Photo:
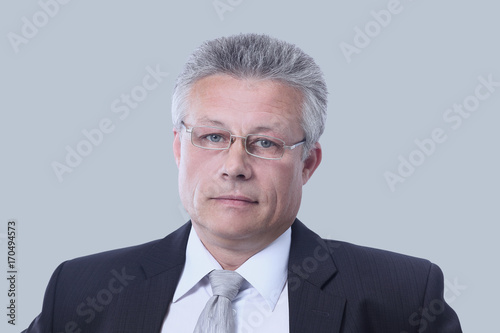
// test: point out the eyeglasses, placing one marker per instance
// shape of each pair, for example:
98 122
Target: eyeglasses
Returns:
261 146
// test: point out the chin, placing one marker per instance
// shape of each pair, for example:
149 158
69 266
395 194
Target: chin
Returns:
234 228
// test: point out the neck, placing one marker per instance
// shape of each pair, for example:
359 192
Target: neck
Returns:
229 260
232 253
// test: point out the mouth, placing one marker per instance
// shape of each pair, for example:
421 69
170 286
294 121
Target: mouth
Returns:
238 200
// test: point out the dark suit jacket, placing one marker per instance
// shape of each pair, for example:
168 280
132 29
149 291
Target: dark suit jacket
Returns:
333 287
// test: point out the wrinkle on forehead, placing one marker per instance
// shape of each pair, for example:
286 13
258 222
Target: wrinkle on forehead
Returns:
277 99
275 126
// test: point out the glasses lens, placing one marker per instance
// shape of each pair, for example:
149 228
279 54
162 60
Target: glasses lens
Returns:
210 138
265 146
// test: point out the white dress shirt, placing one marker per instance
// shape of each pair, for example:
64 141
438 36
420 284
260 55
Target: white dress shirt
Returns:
261 306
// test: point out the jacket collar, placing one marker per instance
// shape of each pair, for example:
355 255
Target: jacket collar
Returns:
169 253
312 308
162 265
310 269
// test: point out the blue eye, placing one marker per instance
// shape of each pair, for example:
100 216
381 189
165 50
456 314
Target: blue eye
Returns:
262 142
265 143
214 137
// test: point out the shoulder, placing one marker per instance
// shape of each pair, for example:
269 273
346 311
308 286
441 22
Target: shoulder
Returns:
138 260
397 288
387 267
128 255
350 258
380 272
367 258
87 271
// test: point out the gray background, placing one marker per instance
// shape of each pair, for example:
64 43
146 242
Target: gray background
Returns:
394 91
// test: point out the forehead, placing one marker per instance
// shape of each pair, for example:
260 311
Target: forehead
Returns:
221 99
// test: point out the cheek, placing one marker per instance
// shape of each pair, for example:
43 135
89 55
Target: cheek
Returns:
188 174
196 174
287 185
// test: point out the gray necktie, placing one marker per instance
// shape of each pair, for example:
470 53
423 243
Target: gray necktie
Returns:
217 316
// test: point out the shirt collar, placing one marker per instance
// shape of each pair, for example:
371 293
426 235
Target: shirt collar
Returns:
199 262
273 260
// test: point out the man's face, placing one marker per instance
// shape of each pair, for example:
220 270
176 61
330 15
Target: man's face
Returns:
233 198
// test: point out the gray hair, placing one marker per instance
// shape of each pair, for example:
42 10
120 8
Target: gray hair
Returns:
256 56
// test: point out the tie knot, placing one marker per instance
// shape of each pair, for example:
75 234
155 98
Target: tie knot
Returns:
225 283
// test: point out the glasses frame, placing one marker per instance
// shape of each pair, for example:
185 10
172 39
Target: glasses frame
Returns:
232 140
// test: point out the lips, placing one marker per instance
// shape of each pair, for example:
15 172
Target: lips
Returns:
236 199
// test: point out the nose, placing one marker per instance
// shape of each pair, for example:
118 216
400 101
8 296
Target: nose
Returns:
236 164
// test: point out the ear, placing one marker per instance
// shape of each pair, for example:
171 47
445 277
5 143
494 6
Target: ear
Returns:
177 146
311 162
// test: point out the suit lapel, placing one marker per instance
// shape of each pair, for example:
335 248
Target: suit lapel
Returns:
310 269
162 266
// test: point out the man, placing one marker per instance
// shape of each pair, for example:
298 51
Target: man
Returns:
248 111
